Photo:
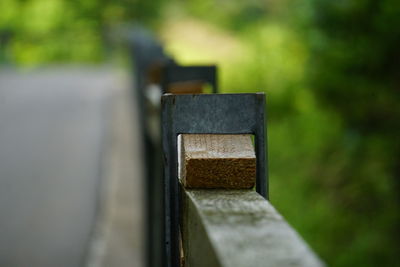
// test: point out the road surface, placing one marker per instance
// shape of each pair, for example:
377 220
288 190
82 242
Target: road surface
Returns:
69 170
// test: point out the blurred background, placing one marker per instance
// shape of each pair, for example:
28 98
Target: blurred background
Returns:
331 72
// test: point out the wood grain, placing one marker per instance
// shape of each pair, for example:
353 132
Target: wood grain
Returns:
217 161
189 87
239 228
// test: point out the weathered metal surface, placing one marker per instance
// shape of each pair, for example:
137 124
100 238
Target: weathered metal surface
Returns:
152 66
147 55
206 114
239 228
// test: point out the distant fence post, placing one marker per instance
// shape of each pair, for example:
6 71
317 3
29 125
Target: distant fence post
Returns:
157 73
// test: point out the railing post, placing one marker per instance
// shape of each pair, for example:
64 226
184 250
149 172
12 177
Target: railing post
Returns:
205 114
173 73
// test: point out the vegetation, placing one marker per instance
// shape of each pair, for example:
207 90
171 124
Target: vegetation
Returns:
46 31
331 73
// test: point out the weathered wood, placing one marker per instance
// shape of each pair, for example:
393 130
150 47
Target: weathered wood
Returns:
217 161
188 87
225 228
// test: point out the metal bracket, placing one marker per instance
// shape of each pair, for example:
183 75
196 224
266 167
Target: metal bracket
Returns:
206 114
174 73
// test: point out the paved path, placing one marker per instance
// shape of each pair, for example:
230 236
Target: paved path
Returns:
62 132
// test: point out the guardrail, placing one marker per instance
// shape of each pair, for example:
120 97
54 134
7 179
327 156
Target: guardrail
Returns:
238 228
224 217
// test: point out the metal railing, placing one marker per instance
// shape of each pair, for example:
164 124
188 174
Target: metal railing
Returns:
198 227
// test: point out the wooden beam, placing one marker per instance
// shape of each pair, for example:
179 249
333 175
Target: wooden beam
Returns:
187 87
217 161
239 228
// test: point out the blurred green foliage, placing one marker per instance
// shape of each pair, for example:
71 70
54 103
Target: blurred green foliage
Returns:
331 73
42 31
332 76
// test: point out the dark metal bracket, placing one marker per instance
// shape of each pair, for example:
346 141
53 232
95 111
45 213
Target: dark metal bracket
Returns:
206 114
175 73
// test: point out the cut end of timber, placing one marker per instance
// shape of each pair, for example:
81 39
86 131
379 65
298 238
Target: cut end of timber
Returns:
190 87
217 161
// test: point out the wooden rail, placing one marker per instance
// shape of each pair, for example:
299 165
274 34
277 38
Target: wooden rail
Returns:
238 228
235 227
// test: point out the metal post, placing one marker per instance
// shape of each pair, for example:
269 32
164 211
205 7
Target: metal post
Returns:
174 73
206 114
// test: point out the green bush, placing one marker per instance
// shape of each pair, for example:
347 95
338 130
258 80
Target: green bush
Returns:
329 72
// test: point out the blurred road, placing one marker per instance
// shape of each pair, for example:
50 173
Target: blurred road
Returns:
55 132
